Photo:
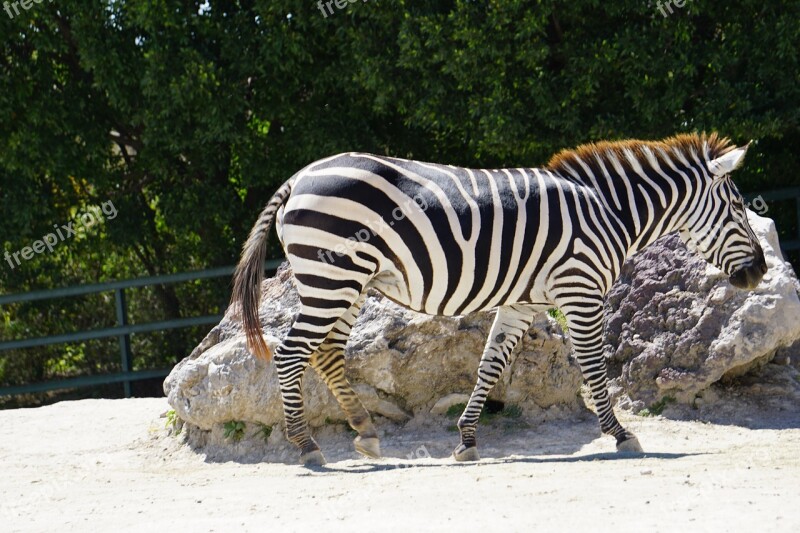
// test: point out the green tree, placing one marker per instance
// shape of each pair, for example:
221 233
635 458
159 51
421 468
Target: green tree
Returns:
188 114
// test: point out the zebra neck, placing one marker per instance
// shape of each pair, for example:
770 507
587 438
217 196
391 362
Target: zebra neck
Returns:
660 208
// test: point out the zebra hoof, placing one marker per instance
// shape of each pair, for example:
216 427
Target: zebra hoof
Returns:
313 458
629 445
369 447
462 453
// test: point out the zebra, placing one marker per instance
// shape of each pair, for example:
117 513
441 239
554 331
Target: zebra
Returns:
447 240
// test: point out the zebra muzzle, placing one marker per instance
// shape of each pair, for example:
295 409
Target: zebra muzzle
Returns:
750 276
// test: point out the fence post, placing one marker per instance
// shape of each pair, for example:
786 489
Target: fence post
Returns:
124 339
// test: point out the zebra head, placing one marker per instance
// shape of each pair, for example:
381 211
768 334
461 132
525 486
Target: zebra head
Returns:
720 231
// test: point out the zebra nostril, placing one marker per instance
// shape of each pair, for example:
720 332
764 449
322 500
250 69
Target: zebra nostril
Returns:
763 268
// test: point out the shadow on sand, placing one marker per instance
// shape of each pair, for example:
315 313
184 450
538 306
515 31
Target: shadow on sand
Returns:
381 466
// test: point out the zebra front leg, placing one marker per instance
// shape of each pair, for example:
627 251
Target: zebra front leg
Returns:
510 324
585 321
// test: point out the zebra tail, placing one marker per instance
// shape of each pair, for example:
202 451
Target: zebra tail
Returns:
250 273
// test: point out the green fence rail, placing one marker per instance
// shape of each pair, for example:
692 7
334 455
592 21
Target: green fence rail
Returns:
122 330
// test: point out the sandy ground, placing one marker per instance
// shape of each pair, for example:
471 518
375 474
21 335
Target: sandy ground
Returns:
103 465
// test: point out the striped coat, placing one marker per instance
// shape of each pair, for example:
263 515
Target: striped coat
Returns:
446 240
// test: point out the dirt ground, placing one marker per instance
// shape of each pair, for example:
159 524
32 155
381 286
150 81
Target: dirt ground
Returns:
109 465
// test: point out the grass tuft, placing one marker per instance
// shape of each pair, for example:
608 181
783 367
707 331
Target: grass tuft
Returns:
454 411
265 431
559 317
174 421
487 414
657 408
234 430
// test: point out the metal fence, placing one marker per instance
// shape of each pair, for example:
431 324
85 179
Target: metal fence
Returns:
123 329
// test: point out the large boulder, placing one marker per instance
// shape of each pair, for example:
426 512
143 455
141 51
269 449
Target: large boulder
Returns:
675 325
402 364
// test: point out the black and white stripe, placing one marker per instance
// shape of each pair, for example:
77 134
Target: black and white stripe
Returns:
446 240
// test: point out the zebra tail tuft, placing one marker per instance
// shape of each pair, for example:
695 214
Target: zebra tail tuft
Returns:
250 273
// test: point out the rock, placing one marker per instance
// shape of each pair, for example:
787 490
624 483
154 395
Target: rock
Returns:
441 407
377 405
675 325
400 363
674 328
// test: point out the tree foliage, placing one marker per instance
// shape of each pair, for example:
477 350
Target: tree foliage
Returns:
187 115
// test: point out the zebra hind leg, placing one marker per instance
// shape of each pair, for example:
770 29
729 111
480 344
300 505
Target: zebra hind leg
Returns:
510 324
292 357
586 332
329 362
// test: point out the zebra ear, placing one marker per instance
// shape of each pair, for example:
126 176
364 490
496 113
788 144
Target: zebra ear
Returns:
725 164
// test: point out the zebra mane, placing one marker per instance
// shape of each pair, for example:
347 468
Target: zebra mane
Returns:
705 147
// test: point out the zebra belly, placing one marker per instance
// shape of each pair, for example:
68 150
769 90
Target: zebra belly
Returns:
390 283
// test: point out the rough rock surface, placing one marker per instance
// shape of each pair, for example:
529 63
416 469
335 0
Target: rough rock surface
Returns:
675 325
401 364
